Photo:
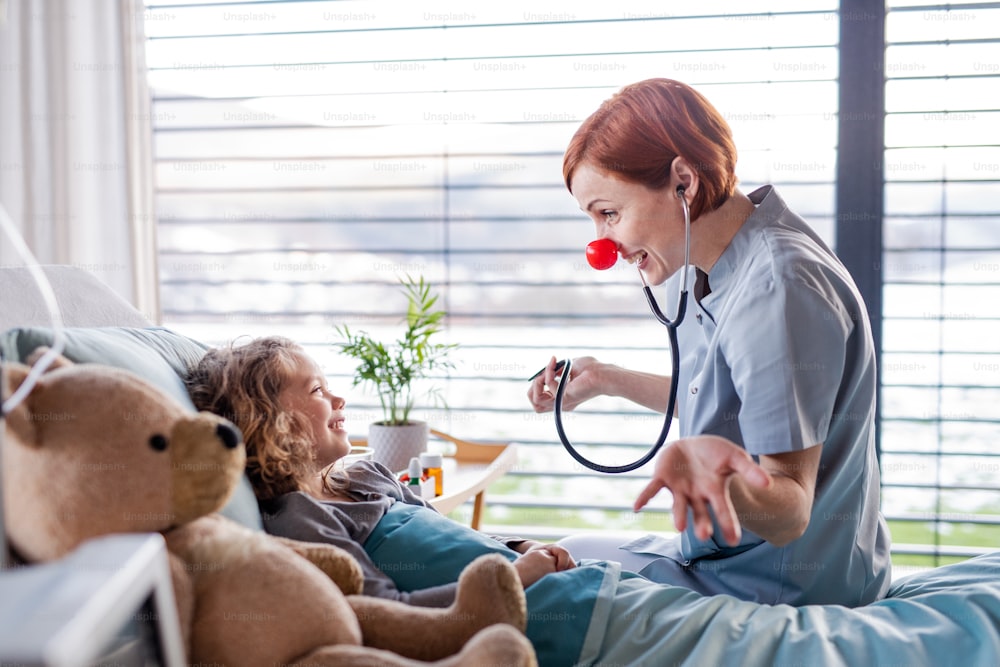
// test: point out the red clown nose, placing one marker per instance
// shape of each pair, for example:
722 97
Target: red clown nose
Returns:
602 254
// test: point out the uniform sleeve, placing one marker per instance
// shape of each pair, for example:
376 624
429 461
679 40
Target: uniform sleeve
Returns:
787 361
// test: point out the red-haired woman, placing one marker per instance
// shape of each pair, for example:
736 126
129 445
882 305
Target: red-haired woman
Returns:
777 365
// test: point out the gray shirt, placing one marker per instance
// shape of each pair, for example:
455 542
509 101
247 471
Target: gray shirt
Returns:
348 524
779 357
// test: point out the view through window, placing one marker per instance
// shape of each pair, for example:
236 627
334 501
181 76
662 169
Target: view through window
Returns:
310 154
941 333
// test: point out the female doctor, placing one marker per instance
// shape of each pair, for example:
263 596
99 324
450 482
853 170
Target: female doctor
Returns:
774 475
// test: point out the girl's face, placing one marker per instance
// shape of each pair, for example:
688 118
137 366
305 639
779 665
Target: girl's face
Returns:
646 225
306 393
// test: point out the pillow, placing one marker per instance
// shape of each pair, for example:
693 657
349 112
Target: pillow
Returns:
158 355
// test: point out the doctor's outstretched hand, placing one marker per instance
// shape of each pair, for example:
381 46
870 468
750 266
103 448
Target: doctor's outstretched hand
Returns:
699 471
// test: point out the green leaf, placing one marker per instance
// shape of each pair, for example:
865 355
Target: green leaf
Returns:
390 370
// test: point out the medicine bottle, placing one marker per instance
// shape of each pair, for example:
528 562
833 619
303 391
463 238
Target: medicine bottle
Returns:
413 473
432 468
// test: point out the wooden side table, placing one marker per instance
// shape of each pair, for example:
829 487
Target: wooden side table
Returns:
468 472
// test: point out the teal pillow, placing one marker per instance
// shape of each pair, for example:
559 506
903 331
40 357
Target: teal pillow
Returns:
160 356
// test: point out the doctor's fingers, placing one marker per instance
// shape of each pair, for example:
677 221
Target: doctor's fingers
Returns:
647 494
751 472
541 399
680 512
725 515
703 527
541 391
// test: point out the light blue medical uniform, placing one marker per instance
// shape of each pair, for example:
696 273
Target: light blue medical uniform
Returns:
778 357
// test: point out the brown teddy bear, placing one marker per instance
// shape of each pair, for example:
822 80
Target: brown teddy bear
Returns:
94 450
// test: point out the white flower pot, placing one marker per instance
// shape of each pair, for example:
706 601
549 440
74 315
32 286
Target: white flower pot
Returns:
394 446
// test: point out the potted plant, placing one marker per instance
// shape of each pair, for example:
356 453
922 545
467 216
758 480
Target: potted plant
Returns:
392 369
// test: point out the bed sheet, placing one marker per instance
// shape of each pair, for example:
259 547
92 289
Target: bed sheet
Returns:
949 615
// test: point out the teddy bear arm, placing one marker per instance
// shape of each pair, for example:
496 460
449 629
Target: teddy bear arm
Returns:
489 592
336 563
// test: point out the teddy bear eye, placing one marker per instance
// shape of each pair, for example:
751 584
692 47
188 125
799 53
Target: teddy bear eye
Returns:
158 442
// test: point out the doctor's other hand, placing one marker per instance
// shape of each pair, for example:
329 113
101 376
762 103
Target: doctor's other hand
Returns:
585 384
698 472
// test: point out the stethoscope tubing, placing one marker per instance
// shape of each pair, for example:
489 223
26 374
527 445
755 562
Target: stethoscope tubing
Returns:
671 326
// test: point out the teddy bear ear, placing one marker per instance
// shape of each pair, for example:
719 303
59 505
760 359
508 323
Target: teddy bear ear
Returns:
18 420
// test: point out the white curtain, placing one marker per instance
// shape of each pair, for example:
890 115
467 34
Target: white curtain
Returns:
74 140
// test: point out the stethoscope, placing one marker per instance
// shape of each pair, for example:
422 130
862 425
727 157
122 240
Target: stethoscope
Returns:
602 254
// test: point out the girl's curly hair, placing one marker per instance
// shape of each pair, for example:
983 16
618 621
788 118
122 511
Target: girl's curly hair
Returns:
243 383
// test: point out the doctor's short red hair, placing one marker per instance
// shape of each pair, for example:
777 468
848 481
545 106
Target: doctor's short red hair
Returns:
636 134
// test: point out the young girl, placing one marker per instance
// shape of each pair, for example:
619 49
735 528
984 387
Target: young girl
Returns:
294 431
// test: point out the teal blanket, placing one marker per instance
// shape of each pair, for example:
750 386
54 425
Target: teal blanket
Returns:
418 548
596 614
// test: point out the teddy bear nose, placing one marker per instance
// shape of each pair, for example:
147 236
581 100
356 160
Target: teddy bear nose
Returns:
229 435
